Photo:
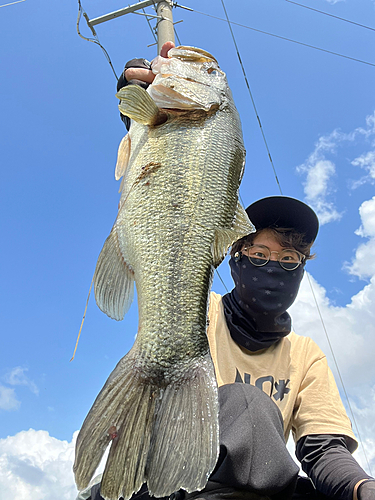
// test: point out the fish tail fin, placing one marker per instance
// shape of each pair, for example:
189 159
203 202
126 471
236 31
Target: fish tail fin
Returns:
167 437
136 103
185 440
102 422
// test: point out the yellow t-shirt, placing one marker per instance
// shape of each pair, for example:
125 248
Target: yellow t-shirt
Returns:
293 372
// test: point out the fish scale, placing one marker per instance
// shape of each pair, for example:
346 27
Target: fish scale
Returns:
178 214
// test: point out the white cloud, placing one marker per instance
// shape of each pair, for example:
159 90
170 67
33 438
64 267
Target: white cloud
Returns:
17 376
366 162
319 174
351 328
367 213
351 333
317 178
320 171
363 264
8 399
35 465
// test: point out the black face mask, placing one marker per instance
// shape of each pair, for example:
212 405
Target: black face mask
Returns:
255 309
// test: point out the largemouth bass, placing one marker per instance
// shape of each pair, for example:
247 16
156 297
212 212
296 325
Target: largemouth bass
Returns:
182 164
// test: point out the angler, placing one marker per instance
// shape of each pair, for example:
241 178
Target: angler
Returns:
271 380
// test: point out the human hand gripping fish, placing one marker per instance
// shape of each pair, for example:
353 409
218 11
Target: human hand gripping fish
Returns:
181 163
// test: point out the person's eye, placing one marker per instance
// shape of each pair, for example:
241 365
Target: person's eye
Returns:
258 254
290 256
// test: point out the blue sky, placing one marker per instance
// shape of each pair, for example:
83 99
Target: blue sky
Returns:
60 132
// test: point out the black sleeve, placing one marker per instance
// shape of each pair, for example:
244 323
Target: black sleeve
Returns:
123 82
142 494
327 460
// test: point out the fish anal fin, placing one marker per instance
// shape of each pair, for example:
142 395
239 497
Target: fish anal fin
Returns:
136 103
123 157
113 280
225 237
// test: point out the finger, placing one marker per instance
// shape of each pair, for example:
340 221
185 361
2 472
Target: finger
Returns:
167 46
145 75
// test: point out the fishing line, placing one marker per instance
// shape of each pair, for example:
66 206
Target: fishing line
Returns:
83 319
338 371
95 39
278 36
331 15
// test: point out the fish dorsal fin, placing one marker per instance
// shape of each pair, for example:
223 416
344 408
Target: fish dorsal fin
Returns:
137 104
225 237
122 157
113 280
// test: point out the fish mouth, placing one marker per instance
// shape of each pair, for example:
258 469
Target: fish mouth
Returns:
186 53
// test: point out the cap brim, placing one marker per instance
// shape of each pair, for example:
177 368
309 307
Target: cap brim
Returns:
282 211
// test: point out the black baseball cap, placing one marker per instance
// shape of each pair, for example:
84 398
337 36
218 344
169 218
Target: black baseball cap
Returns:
282 211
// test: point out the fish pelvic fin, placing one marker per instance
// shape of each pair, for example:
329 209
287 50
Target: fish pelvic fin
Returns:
113 280
224 238
167 437
136 103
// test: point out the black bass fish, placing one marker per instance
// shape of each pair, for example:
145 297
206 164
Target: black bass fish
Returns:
181 163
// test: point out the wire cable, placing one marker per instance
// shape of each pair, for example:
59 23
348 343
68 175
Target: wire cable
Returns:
12 3
153 30
221 279
149 25
178 38
331 15
338 371
95 39
251 97
281 37
312 290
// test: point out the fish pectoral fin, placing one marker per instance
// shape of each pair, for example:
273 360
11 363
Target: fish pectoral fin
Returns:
113 280
136 103
225 237
122 157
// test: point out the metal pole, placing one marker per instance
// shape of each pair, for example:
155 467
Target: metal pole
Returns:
121 12
165 29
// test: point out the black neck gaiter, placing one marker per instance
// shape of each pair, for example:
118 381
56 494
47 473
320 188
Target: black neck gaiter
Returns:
255 310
